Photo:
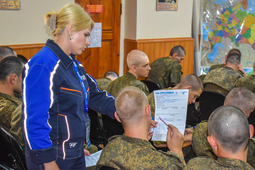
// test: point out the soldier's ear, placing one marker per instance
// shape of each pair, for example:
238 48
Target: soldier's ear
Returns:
175 55
117 117
148 110
12 78
133 67
187 87
251 130
212 141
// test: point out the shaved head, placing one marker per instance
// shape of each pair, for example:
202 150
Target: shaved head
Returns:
230 127
135 57
193 81
241 98
6 51
130 104
236 51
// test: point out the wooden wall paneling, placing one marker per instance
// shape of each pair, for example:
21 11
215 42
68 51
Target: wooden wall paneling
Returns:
157 48
27 50
128 46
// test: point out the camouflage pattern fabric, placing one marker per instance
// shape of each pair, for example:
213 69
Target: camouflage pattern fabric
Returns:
16 125
7 105
103 83
216 66
91 149
126 80
247 82
166 72
204 163
124 152
200 144
224 77
201 147
251 153
201 77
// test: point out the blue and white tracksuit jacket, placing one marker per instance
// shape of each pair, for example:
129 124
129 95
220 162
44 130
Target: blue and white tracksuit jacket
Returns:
53 117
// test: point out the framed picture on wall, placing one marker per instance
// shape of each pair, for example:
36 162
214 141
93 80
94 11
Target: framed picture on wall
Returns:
166 5
9 4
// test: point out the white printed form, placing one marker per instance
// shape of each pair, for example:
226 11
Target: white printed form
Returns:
171 106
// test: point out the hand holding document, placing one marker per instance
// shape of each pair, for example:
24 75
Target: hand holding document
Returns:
170 106
92 159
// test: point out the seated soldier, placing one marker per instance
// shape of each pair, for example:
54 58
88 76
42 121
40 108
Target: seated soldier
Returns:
10 82
241 98
6 51
133 149
222 80
247 82
166 71
98 134
195 86
233 50
228 135
190 82
104 82
138 64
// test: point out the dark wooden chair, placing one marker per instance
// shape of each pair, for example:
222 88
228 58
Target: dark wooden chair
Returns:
208 102
151 85
12 155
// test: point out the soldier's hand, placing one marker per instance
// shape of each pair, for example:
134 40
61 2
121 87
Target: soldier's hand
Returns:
174 140
86 152
153 124
188 135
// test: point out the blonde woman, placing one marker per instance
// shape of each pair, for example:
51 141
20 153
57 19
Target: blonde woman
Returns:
57 92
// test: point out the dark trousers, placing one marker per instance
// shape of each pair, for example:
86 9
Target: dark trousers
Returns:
77 163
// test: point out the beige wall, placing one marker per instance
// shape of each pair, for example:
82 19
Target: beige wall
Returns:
139 20
25 26
130 12
150 23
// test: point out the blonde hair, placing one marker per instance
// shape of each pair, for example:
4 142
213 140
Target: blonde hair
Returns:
70 14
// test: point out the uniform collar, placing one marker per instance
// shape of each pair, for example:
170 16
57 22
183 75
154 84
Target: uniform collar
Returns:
231 162
131 76
66 60
10 98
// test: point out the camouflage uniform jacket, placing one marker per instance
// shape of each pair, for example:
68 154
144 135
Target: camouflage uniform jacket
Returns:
221 163
216 66
126 80
247 82
16 125
103 83
166 72
124 152
201 147
7 105
224 77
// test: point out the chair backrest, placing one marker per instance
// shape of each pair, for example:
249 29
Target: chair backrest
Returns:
208 102
151 85
11 153
251 119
